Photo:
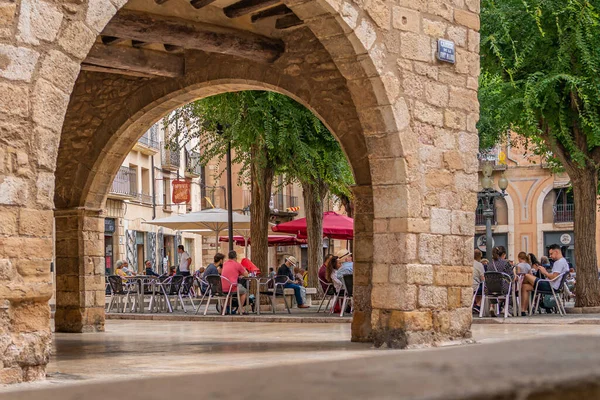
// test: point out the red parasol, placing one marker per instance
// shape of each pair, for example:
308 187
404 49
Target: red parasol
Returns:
335 226
249 265
274 240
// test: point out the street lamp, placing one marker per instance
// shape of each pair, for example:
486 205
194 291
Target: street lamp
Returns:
488 196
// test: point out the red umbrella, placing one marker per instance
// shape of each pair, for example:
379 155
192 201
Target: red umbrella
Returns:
274 240
335 226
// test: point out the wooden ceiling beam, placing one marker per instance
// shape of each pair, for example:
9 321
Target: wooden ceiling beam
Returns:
138 44
160 1
279 10
193 35
110 40
173 49
198 4
288 21
244 7
106 70
148 62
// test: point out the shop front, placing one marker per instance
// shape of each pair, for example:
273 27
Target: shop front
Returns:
498 239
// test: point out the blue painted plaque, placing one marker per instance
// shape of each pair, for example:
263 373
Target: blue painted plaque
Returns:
446 51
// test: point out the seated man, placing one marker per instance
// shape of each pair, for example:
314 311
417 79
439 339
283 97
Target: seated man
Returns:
149 270
232 270
560 267
285 270
347 266
478 272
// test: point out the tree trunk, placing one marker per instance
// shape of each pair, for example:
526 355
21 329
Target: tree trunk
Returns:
585 184
261 180
314 194
348 206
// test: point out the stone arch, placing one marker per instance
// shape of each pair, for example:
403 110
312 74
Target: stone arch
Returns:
416 116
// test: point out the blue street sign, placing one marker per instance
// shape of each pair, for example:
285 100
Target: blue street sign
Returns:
446 51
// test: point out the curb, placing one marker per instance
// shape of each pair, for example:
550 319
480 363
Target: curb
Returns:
229 318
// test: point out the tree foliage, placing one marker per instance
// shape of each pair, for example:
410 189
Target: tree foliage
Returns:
540 64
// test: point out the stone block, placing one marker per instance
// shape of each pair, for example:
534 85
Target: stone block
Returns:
60 70
453 161
349 14
430 248
7 271
454 297
10 375
380 12
17 63
436 94
426 69
463 223
466 296
45 190
473 6
441 8
453 250
77 39
406 19
397 274
38 21
466 18
389 247
413 85
394 297
433 297
7 15
365 33
388 201
9 225
441 321
381 273
441 220
419 5
426 113
430 157
30 317
474 41
414 46
48 105
460 322
34 267
463 99
99 13
411 320
35 222
452 276
458 35
433 28
419 274
14 100
388 170
466 63
438 179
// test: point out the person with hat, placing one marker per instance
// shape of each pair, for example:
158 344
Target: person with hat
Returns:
347 266
286 270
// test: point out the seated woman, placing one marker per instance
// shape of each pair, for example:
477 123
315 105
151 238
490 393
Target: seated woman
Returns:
524 265
323 280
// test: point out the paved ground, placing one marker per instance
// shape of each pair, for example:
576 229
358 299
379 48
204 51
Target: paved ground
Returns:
135 349
158 350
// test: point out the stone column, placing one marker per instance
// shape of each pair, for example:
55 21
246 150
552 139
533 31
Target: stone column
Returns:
363 262
80 287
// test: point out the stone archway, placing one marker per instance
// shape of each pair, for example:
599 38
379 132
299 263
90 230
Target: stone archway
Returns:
414 116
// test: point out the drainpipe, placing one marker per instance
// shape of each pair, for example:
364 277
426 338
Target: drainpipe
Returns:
153 190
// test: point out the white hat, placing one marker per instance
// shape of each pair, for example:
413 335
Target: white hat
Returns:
292 260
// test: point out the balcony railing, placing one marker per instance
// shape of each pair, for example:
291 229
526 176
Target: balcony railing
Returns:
282 202
148 143
497 166
170 158
480 218
564 213
145 198
125 183
192 164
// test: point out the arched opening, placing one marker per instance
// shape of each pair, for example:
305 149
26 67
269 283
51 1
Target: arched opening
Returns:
405 121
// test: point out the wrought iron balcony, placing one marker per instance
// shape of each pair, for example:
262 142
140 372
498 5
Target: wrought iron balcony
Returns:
170 158
192 164
125 183
282 202
148 143
480 218
564 213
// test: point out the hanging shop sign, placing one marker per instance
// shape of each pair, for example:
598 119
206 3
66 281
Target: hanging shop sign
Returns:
182 191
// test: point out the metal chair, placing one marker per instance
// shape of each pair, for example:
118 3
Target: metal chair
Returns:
215 291
278 290
118 290
328 293
186 291
538 293
348 284
494 288
173 289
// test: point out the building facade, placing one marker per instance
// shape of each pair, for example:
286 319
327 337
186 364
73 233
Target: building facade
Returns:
538 210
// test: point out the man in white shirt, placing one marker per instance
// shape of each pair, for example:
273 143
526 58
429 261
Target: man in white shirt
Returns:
184 261
550 279
478 272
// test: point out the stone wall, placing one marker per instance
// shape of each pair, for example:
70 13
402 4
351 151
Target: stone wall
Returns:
406 122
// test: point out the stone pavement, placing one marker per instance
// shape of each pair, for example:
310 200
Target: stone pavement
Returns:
544 319
315 361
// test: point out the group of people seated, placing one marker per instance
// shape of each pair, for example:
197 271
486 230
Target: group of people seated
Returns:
545 274
232 271
333 270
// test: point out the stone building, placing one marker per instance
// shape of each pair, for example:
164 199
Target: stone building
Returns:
81 81
538 210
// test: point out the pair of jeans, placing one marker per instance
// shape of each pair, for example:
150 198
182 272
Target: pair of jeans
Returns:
296 292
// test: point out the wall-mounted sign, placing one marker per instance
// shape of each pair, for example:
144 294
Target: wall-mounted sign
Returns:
482 243
565 238
182 192
109 225
446 51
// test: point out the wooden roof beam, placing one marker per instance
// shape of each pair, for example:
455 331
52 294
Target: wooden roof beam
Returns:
149 62
244 7
193 35
279 10
288 22
106 70
198 4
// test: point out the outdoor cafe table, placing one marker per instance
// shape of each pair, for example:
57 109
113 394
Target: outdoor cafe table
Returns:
139 282
257 279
